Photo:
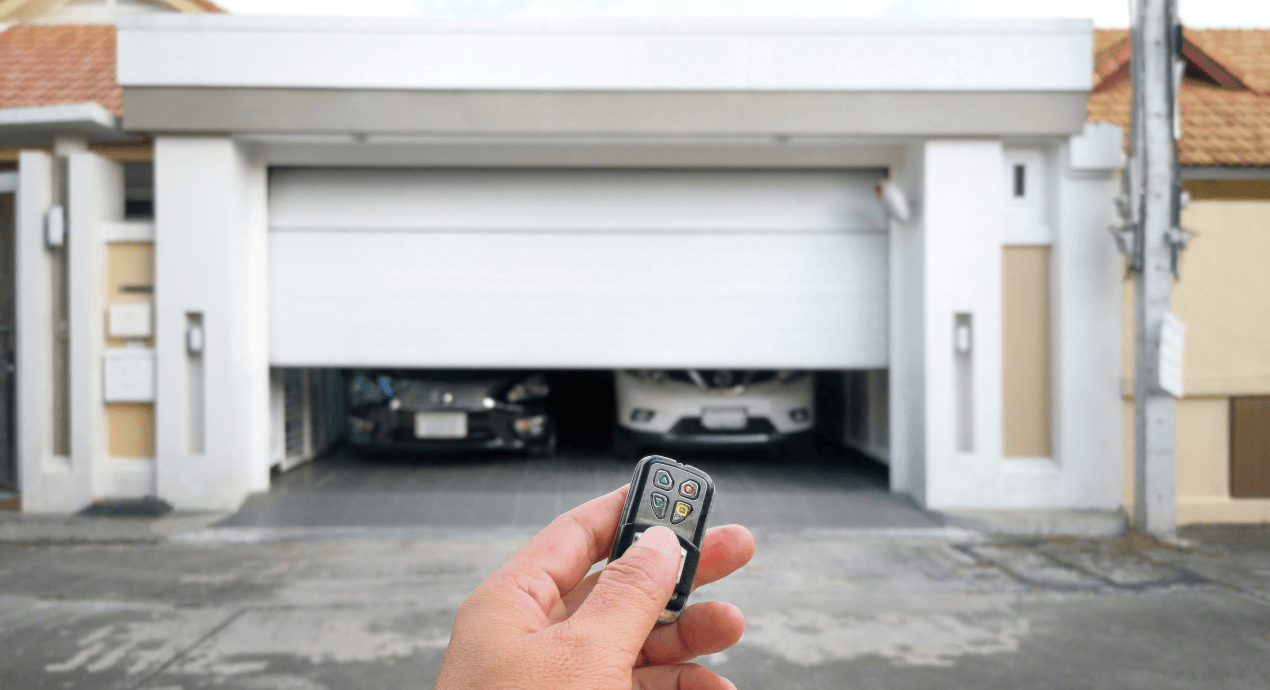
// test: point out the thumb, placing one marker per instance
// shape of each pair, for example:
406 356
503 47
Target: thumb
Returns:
622 608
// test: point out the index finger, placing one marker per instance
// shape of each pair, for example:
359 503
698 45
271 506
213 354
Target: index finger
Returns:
567 548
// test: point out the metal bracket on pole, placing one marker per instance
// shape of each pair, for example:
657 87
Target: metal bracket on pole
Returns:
1177 239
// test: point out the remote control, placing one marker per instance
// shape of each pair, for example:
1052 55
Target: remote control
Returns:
667 493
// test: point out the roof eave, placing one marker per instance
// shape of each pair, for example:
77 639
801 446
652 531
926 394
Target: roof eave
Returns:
39 125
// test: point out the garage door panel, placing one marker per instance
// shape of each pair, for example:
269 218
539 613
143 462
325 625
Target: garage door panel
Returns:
584 201
476 299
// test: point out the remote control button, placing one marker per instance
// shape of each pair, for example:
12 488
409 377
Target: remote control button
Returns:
662 480
689 489
660 503
682 511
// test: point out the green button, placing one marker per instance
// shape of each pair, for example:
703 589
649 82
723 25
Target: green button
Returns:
659 501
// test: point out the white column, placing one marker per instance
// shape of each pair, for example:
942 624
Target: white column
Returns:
210 261
1086 274
45 479
52 482
907 399
962 211
96 196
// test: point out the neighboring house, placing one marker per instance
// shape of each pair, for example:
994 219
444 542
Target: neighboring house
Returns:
58 92
593 195
1223 295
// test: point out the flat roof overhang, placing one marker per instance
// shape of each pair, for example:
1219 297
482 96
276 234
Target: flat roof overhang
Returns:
652 113
226 74
39 125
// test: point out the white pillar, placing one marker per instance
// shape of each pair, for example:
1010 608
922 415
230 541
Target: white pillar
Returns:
96 196
52 481
1086 274
210 268
907 399
962 212
44 476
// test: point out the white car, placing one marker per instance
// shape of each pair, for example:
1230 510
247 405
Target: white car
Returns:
715 408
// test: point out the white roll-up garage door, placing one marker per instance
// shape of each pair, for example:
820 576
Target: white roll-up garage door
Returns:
576 268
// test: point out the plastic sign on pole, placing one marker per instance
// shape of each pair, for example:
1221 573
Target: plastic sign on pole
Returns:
1172 342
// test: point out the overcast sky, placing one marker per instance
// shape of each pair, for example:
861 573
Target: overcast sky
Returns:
1105 13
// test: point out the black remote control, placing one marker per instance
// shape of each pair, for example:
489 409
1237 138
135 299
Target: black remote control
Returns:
667 493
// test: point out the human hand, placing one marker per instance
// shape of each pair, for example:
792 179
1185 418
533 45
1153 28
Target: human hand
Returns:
541 622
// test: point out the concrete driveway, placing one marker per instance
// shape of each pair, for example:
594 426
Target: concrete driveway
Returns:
267 601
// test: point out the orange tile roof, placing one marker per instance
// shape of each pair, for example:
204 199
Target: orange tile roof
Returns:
1221 124
56 65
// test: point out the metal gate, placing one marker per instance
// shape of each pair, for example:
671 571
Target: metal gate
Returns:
8 464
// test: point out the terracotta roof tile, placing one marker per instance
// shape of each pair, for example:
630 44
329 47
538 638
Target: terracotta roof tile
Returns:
57 65
1220 126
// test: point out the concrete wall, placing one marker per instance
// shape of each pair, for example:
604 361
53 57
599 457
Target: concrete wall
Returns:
1220 298
967 222
210 269
53 479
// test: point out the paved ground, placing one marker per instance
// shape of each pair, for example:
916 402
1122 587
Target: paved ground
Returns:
262 602
826 488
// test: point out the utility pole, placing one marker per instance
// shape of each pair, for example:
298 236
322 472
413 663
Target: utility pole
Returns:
1152 241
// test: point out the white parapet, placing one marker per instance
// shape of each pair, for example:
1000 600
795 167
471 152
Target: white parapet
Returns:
684 55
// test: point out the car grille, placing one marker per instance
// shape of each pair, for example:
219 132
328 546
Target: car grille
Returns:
692 426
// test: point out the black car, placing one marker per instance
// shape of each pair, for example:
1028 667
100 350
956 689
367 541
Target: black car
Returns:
441 410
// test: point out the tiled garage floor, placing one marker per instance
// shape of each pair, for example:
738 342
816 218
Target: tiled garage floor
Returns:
827 488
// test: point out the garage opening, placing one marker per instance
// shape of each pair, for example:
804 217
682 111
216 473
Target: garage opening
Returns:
803 418
619 286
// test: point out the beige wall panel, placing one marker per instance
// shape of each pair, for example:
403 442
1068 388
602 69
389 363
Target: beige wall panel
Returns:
131 428
1222 297
1202 442
1025 355
1126 454
1126 333
128 264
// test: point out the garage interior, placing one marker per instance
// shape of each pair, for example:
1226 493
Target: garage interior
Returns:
314 457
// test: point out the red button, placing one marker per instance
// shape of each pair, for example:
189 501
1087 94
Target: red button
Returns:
688 489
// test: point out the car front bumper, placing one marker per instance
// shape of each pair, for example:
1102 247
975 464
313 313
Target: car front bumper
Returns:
385 429
689 433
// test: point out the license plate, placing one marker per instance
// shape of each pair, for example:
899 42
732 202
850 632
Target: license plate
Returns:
440 424
729 418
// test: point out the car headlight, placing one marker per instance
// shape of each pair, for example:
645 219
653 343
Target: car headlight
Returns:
532 388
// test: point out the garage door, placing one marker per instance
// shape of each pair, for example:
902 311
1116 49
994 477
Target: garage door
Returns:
576 268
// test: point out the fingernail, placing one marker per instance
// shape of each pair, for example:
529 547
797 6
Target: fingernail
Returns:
730 683
660 539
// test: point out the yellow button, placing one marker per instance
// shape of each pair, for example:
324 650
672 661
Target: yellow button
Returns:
682 509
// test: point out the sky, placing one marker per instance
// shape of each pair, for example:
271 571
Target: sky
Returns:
1105 13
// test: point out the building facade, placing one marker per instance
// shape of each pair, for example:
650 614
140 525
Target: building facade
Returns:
588 195
1222 454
